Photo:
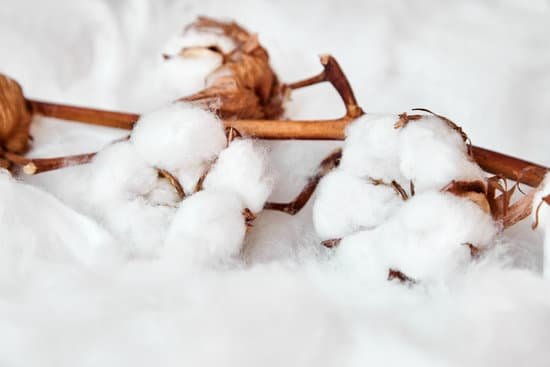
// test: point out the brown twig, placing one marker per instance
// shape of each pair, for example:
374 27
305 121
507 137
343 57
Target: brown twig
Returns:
32 166
293 207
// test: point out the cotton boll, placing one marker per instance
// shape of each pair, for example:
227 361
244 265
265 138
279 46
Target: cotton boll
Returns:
432 154
118 171
35 225
178 136
424 239
372 148
345 204
207 229
242 169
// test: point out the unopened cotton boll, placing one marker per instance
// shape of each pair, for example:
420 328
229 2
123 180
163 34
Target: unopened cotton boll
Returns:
118 171
543 217
346 203
371 148
178 136
208 229
425 238
432 154
242 169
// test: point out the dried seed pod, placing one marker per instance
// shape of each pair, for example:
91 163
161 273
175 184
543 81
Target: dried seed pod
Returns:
244 86
475 191
15 117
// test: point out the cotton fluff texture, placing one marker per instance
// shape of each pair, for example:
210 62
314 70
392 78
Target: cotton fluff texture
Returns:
62 238
242 169
178 137
209 227
423 236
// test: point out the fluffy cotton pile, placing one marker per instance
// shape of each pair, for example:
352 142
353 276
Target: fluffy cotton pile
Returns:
421 232
35 225
292 303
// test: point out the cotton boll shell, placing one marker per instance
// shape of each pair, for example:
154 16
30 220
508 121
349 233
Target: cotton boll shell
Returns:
425 237
242 169
178 136
432 154
372 148
345 204
15 117
207 229
119 171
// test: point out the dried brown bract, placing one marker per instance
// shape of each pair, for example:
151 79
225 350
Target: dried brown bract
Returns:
475 191
244 86
546 200
403 278
475 252
495 197
15 117
331 243
404 119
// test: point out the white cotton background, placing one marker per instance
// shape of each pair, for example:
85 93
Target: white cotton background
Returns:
284 300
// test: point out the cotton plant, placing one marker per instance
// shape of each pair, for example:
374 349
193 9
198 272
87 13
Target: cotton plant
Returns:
389 206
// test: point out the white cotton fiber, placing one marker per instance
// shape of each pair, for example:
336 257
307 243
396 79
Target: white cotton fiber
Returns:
139 226
345 204
118 171
372 148
195 38
178 136
242 169
543 221
424 238
432 154
208 229
35 225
